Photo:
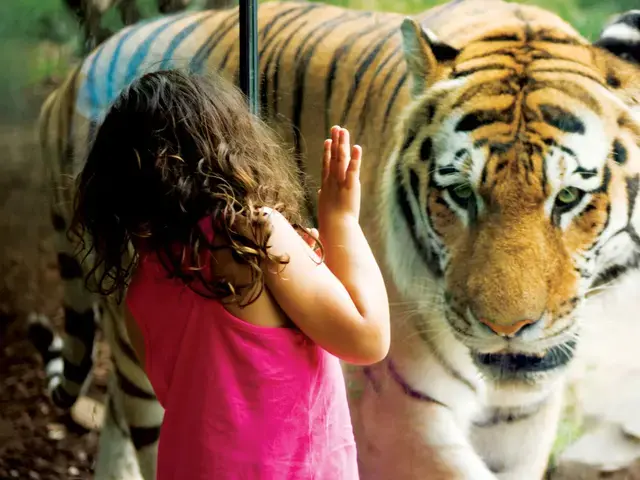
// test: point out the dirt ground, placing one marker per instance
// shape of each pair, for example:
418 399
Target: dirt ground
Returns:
36 440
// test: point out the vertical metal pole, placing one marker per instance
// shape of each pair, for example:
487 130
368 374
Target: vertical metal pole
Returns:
249 52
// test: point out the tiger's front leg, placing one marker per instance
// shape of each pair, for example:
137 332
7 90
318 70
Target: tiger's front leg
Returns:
403 436
516 437
412 412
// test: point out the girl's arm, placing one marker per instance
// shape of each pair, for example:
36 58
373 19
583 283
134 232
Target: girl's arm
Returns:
341 304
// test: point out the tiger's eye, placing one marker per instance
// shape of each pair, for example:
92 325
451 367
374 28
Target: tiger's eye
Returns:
461 194
463 191
568 195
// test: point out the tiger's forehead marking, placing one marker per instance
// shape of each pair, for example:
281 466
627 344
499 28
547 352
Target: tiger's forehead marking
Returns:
574 157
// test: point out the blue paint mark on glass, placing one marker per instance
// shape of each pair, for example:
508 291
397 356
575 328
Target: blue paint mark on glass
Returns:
90 84
143 49
167 59
111 80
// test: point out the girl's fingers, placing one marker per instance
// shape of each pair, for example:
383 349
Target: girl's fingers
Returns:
344 155
326 160
335 152
356 160
353 170
335 137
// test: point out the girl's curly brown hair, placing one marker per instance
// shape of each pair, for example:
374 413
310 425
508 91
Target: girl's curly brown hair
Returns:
175 148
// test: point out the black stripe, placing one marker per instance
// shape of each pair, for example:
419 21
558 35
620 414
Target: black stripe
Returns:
126 348
442 361
623 49
262 35
369 97
130 388
392 99
570 89
566 71
633 235
616 271
202 54
485 89
144 436
62 399
430 259
632 185
594 243
619 152
497 51
285 22
559 41
551 142
344 49
408 141
630 18
80 325
426 149
509 415
447 170
365 65
606 180
65 143
482 68
77 373
58 222
41 338
481 118
561 119
586 173
302 58
69 267
276 74
302 64
501 38
227 55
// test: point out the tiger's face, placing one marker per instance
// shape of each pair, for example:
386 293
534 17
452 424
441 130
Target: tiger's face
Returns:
516 181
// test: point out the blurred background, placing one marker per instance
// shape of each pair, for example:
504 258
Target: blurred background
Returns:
39 41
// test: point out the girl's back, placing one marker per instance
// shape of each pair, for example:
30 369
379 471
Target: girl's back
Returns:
274 403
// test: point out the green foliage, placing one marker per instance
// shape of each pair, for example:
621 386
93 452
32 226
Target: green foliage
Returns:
35 19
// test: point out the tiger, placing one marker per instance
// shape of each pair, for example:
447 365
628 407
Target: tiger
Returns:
499 191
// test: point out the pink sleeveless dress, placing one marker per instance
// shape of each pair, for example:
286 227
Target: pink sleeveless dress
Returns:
242 402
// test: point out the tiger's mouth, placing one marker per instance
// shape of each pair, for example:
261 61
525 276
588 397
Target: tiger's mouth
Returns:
505 365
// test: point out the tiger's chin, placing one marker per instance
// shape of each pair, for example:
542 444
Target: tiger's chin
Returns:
507 365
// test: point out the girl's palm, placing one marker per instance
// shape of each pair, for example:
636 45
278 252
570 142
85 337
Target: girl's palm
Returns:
340 191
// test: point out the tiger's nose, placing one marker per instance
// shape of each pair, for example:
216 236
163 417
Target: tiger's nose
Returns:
510 330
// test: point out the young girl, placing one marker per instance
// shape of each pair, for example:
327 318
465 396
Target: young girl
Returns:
238 323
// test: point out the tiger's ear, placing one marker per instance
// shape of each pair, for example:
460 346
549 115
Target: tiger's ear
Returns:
422 52
621 36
